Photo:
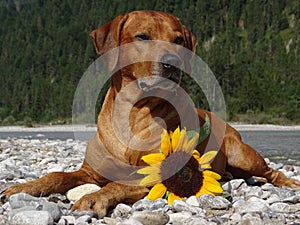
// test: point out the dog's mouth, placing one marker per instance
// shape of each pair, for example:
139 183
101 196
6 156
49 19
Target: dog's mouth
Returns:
155 82
165 75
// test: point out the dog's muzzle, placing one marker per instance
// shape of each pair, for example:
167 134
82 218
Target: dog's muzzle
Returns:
169 76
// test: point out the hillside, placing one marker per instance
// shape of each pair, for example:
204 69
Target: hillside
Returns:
253 48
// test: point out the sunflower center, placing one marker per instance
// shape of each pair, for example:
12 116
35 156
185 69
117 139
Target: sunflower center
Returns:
181 175
185 174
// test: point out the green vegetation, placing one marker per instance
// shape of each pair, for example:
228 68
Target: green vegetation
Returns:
253 48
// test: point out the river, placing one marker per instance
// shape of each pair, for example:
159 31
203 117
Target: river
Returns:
277 145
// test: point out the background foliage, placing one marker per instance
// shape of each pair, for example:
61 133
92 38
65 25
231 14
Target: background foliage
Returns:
253 48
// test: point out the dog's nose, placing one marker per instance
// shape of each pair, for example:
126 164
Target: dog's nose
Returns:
170 62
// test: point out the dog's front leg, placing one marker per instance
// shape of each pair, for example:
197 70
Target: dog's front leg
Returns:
56 182
109 196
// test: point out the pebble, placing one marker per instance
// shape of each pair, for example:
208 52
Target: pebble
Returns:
180 217
31 217
253 204
181 206
151 218
214 202
121 210
21 202
23 160
193 201
280 207
77 192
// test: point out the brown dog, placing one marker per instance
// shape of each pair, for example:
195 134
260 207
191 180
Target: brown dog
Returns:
106 148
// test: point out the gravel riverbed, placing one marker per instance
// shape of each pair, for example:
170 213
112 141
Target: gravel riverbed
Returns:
24 159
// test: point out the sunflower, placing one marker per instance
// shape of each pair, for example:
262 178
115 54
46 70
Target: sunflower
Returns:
178 171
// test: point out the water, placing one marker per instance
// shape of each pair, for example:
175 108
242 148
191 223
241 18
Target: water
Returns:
278 146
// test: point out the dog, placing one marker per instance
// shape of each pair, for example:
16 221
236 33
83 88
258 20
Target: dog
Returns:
128 83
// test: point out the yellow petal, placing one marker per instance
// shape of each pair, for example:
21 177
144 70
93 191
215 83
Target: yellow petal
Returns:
172 197
204 166
182 140
149 170
150 180
196 155
153 158
204 191
208 157
175 138
212 186
191 144
165 143
211 174
157 191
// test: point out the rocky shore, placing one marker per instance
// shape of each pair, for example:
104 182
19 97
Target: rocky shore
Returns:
23 159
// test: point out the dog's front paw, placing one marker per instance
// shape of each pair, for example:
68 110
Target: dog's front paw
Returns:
18 188
293 183
95 202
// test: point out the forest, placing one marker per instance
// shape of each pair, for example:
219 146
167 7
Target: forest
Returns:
252 47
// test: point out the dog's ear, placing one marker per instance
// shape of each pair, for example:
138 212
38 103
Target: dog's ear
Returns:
190 42
107 37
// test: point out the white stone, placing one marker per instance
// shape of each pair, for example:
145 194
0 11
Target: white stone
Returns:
193 201
32 217
253 204
180 217
234 185
280 207
77 192
56 168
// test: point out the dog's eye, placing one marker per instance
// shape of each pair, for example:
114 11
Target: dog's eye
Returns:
142 37
178 40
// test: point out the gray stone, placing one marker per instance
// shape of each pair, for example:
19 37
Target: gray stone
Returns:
276 166
62 222
32 218
180 217
56 168
111 221
198 221
253 191
83 219
158 204
151 218
296 177
213 202
121 210
141 205
235 217
267 187
250 219
283 192
52 208
69 219
180 206
130 221
13 212
280 207
22 201
294 199
253 204
79 213
295 208
234 185
3 219
272 199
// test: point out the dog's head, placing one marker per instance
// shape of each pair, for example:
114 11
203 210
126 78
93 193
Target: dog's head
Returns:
156 50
